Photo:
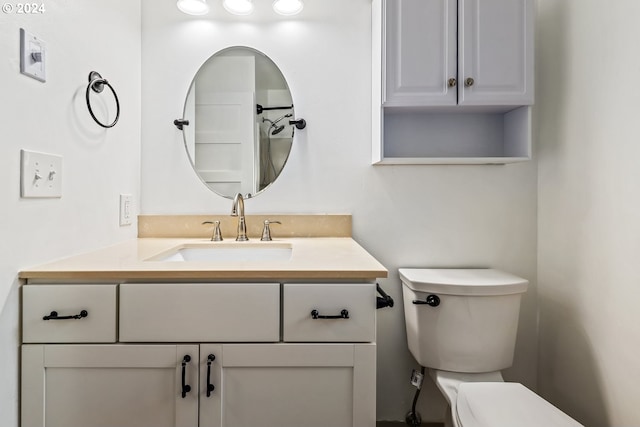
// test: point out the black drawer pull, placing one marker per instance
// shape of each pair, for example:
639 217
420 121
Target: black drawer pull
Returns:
210 387
186 388
344 314
54 316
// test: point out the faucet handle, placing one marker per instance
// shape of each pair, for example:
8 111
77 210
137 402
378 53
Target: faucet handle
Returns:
266 231
217 235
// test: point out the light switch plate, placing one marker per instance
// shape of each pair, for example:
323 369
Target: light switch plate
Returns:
32 56
40 174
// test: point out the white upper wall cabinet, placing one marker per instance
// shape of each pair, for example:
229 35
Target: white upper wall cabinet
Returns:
452 81
437 55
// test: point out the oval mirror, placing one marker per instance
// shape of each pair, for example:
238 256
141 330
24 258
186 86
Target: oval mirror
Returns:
239 137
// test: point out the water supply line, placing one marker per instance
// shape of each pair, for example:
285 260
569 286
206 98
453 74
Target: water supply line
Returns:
413 418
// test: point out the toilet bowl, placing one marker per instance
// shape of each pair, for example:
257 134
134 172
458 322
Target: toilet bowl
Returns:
462 325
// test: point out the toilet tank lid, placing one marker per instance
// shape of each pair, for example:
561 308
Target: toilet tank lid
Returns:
507 405
463 281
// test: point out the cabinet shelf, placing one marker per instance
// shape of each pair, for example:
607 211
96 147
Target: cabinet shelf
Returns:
432 137
450 160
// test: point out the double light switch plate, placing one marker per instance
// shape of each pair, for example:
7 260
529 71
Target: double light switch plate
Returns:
40 174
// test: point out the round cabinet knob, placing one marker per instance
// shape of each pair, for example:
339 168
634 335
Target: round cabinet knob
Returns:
452 82
469 82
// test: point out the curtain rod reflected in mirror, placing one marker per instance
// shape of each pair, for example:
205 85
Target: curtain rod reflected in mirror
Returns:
299 124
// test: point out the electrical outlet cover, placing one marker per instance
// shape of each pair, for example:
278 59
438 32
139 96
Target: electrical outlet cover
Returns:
126 209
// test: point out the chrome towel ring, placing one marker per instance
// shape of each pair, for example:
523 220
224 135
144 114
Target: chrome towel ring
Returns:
97 84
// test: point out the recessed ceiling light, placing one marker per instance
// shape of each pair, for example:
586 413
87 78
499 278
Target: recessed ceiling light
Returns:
193 7
238 7
288 7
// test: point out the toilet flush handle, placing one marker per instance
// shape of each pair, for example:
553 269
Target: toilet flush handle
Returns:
431 300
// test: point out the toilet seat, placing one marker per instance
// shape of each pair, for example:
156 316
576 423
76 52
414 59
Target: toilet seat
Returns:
491 404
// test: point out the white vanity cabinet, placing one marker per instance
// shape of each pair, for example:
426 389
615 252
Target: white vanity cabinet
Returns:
200 354
452 81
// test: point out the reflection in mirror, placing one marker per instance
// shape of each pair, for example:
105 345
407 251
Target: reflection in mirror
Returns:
238 107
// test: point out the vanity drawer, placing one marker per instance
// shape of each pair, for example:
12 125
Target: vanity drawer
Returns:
199 312
98 302
307 306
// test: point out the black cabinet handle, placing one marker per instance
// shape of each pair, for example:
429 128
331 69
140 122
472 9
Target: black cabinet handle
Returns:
186 388
210 387
54 316
344 314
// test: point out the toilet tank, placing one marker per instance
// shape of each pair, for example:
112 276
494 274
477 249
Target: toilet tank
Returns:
462 320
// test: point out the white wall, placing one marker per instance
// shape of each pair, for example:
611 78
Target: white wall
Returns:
81 36
589 208
405 216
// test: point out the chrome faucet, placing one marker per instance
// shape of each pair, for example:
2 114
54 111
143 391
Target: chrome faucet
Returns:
238 210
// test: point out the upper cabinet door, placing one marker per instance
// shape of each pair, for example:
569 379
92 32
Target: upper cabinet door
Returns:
419 52
495 60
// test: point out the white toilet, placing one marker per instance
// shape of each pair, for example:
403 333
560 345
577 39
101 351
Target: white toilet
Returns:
462 325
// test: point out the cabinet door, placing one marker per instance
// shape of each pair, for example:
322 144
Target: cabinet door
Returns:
290 385
108 386
495 40
419 52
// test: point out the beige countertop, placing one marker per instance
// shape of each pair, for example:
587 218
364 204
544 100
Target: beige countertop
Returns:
319 258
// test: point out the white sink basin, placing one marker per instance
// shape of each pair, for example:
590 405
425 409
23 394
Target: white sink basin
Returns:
227 252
